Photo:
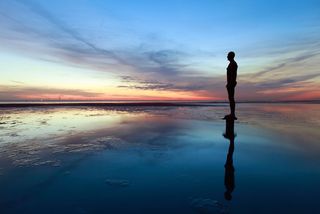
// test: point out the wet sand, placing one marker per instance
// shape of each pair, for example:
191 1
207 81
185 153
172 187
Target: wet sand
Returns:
159 159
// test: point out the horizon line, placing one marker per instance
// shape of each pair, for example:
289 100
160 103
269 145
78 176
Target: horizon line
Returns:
164 100
136 103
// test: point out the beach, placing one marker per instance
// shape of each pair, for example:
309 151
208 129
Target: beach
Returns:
171 158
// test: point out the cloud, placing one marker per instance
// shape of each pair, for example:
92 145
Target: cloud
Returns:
184 84
25 92
281 47
287 62
167 62
45 14
17 82
287 81
164 57
65 45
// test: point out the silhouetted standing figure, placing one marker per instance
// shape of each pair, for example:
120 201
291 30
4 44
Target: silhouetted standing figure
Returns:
231 83
229 169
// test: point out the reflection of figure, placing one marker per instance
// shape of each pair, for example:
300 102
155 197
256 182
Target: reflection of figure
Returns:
231 83
229 169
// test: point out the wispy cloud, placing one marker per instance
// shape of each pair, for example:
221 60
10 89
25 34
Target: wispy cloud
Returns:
287 81
183 84
29 92
68 46
287 62
60 25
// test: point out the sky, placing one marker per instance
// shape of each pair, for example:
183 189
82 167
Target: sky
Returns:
158 50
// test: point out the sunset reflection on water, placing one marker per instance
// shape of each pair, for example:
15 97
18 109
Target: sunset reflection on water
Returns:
176 154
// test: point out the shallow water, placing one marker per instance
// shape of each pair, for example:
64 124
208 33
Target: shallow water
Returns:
160 159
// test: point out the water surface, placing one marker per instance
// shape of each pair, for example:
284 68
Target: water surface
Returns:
160 159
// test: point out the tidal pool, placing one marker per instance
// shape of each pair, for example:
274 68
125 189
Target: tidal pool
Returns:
160 159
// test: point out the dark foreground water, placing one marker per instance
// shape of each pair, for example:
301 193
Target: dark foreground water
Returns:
160 160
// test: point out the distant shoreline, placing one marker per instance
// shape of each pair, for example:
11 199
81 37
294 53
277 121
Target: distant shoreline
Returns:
21 104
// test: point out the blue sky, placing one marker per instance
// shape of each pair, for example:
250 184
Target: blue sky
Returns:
141 49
